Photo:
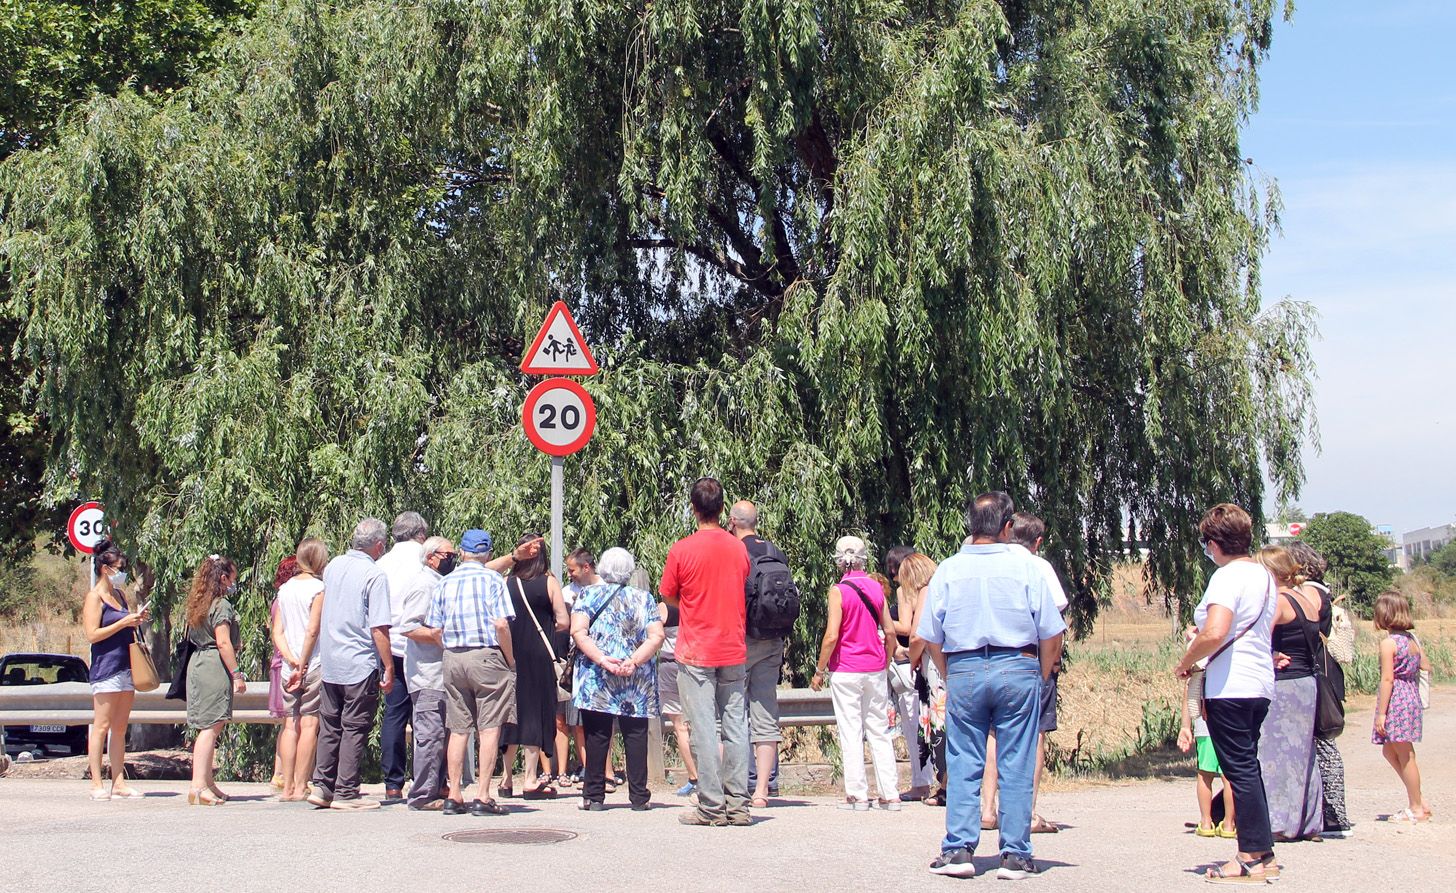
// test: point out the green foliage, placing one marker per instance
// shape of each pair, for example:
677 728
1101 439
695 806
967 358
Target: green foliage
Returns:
59 51
1444 560
52 54
859 259
1356 555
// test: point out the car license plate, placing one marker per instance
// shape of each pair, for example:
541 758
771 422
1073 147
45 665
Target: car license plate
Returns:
48 730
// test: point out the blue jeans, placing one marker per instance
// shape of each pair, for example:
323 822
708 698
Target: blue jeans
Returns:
398 709
1000 691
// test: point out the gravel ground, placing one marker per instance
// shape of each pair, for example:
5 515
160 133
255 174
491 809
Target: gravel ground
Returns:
1127 836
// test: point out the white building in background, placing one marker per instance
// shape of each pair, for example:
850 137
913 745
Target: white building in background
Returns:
1394 552
1418 545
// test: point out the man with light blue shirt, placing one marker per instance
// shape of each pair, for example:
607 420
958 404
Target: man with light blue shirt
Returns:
355 663
995 634
471 611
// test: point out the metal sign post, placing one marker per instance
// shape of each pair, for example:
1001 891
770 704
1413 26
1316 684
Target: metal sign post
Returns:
558 483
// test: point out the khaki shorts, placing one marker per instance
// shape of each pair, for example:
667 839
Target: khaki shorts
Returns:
480 690
765 663
305 700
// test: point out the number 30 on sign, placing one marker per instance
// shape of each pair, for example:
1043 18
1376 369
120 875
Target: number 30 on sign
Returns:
559 416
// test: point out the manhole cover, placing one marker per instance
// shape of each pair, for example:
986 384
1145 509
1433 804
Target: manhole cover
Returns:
525 836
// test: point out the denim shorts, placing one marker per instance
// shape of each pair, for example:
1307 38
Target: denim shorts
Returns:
118 683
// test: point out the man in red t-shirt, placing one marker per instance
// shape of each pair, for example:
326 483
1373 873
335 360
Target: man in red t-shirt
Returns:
705 577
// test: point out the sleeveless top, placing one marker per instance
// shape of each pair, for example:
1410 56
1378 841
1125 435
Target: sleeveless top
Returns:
533 596
861 645
112 655
1292 640
895 616
669 626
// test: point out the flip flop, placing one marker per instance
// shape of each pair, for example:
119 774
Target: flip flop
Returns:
759 803
1407 817
1040 825
542 791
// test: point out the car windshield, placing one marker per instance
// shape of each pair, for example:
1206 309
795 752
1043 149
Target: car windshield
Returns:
42 670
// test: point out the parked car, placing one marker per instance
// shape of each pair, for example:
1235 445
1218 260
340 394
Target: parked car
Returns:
40 669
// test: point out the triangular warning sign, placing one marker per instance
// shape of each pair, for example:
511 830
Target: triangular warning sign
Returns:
559 348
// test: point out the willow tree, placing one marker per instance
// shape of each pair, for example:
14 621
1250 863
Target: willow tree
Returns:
860 259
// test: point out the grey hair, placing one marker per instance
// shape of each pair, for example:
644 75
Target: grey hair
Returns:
616 566
409 526
435 544
367 534
854 564
744 515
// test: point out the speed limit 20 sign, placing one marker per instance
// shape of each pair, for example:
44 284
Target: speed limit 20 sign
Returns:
559 416
86 527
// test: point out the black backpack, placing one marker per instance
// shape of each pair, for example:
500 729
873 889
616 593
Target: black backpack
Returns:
771 595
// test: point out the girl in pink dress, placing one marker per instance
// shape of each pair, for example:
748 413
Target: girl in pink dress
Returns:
1398 709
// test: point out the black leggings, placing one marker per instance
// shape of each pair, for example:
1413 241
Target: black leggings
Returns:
1233 724
598 729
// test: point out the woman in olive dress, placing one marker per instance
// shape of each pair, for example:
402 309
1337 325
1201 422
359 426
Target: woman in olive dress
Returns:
213 676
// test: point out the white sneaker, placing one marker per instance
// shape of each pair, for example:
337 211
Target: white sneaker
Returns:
890 805
855 805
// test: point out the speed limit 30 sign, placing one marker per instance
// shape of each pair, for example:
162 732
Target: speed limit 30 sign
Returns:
86 527
559 416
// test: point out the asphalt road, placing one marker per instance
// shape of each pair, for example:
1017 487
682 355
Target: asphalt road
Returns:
1126 836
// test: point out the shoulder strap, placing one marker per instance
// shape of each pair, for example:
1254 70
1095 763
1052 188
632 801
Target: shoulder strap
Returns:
1304 624
1230 643
869 605
606 604
521 590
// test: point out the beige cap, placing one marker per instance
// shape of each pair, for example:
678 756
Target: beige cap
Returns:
851 549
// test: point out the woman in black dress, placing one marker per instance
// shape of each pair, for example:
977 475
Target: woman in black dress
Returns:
540 615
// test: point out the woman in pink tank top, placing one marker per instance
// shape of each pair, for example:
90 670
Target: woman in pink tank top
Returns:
855 652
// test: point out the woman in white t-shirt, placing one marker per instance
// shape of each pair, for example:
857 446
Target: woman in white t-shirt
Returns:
1235 620
295 635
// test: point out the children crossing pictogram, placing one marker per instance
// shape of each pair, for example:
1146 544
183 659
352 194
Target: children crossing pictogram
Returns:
559 348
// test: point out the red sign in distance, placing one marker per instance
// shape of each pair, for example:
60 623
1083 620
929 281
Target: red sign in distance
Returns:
86 527
1296 529
559 416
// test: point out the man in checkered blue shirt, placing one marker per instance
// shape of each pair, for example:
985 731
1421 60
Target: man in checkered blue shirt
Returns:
472 611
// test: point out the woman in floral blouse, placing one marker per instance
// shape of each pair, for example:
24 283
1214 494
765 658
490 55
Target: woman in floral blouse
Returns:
617 631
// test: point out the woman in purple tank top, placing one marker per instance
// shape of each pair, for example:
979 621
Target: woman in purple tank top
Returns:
110 627
858 641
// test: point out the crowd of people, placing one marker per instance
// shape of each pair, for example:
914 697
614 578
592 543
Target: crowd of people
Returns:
462 643
1265 697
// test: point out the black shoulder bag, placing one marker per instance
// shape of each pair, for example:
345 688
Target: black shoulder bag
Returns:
181 657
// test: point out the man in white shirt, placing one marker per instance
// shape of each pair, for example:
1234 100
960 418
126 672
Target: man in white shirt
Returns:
581 569
424 653
400 565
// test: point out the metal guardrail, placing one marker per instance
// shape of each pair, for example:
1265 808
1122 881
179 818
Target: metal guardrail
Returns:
69 703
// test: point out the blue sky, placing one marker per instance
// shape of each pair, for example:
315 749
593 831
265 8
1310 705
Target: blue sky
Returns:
1357 124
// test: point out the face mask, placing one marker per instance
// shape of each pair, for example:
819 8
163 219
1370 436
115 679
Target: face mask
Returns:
232 589
118 579
447 564
1207 553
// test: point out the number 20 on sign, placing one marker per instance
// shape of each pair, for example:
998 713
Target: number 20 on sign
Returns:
559 416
